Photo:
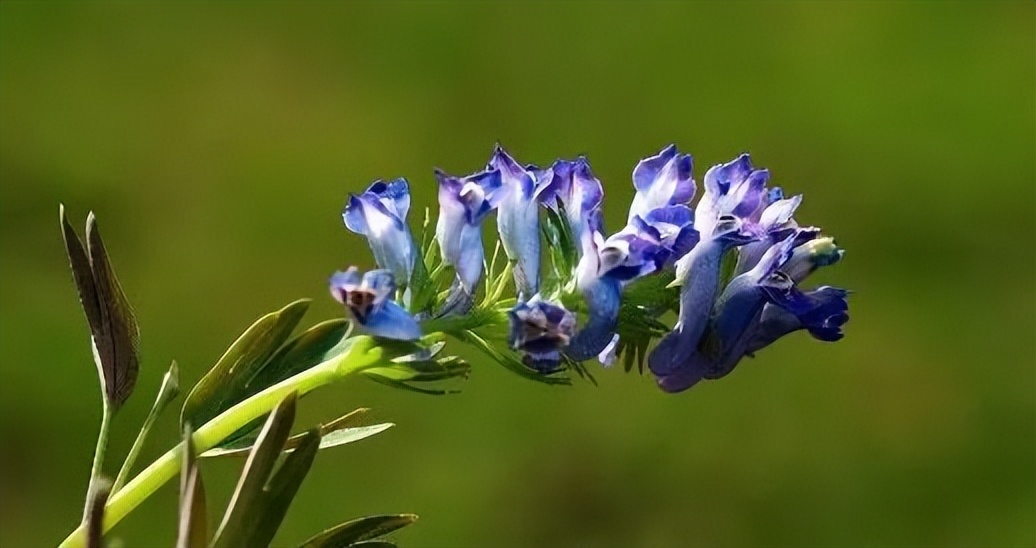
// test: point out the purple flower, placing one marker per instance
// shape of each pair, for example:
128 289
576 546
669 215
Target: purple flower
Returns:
572 187
773 222
463 203
369 302
734 188
518 221
539 330
662 180
379 213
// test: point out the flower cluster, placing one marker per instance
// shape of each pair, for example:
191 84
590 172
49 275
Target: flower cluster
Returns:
730 268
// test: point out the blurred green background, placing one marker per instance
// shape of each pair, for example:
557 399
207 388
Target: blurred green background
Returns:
217 142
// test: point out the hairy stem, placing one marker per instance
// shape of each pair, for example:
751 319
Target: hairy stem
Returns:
359 356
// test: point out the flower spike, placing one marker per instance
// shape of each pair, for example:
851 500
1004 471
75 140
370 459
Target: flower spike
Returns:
730 266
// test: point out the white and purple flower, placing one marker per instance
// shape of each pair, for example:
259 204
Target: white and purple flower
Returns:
463 203
518 221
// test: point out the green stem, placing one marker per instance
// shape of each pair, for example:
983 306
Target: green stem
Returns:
361 355
134 451
96 469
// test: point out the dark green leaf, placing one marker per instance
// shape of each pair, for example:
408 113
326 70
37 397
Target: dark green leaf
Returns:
193 528
280 491
113 325
317 344
229 381
247 498
94 517
359 530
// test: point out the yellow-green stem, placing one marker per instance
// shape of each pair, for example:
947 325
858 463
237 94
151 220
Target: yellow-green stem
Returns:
360 355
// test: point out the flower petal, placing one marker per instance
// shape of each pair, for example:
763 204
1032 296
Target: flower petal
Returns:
662 180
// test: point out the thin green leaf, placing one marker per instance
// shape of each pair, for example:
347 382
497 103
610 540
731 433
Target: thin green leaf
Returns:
113 326
409 387
193 528
244 504
95 513
350 435
280 491
337 432
167 392
359 530
229 381
373 544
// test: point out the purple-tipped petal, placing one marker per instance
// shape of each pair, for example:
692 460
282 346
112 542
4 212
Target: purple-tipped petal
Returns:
463 203
734 188
579 193
518 221
394 194
662 180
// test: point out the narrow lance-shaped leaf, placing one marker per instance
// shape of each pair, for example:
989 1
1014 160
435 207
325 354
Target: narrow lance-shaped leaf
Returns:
113 326
317 344
227 383
340 431
280 491
193 528
234 530
359 530
167 392
373 544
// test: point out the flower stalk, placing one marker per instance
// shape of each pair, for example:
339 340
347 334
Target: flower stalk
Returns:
364 353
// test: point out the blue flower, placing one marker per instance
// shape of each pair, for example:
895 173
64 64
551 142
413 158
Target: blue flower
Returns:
539 330
370 305
662 180
599 280
698 274
463 203
758 307
822 311
518 221
572 187
380 213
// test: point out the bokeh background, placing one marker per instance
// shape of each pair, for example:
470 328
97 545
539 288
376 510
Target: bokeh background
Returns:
217 142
